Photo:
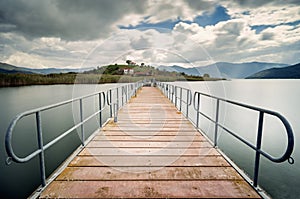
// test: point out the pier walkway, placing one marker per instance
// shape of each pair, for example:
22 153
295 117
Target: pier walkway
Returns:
153 151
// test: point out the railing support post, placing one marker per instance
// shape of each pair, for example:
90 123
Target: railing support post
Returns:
115 112
100 108
118 96
187 103
217 123
258 147
127 93
110 103
198 107
175 93
180 99
81 120
41 147
172 99
122 95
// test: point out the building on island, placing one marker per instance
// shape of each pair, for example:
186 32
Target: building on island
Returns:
128 71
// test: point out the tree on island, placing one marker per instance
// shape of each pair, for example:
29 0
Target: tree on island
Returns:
128 61
206 75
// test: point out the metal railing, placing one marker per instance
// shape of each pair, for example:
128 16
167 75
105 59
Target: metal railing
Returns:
171 92
177 93
124 91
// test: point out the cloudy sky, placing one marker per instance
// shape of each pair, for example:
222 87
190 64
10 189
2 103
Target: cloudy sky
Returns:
89 33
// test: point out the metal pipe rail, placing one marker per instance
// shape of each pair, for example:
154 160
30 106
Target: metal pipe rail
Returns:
168 90
175 93
103 98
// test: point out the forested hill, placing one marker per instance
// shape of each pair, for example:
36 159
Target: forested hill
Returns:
13 76
289 72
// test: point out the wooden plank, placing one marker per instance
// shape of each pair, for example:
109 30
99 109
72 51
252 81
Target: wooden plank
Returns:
149 189
101 144
153 151
148 161
149 138
148 133
149 151
173 124
151 129
168 173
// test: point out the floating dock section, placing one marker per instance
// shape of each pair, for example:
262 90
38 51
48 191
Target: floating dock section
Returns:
152 151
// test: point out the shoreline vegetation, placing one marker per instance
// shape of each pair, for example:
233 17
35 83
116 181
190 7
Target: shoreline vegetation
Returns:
99 75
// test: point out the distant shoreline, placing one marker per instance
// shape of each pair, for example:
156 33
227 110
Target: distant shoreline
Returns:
14 80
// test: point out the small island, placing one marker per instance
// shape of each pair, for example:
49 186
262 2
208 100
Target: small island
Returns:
114 73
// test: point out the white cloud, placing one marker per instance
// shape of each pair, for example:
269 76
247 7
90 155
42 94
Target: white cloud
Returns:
270 14
79 39
27 60
235 41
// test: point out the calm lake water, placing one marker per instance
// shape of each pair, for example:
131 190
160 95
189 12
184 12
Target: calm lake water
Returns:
20 180
283 96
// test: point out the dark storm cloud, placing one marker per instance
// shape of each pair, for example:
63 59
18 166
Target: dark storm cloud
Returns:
67 19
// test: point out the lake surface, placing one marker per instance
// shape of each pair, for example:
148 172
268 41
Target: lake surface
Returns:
279 180
283 96
20 180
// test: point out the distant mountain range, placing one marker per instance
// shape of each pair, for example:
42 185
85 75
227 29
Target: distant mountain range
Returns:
225 69
10 69
289 72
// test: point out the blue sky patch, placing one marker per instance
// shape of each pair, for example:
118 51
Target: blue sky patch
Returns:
219 14
169 24
260 28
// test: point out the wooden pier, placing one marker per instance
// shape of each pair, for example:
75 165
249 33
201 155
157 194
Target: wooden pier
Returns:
151 152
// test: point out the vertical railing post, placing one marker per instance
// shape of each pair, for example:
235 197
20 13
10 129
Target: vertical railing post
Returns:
110 103
115 112
198 107
127 94
171 93
175 91
180 101
122 96
41 147
187 103
167 91
258 147
217 123
118 96
81 120
100 109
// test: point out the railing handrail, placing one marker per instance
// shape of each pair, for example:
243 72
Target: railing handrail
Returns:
104 97
196 105
286 124
171 90
189 92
